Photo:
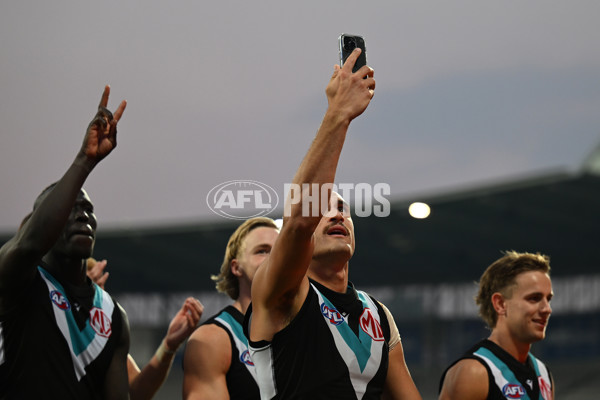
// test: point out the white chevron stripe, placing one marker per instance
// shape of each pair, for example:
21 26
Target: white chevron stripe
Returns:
95 347
359 379
241 346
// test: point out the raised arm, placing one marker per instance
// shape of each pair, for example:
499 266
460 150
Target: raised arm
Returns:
145 383
37 235
280 285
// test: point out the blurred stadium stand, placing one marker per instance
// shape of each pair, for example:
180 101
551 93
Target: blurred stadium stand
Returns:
424 270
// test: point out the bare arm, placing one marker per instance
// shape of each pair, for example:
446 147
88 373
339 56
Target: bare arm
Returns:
132 370
145 383
206 362
466 380
19 256
280 285
116 384
399 384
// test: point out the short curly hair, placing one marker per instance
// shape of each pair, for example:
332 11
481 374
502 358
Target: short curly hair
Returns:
226 281
500 277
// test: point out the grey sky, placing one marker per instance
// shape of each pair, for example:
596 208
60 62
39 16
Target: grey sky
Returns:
467 92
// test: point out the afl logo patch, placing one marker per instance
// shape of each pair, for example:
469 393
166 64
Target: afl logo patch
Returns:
245 358
331 314
59 300
513 391
100 322
371 326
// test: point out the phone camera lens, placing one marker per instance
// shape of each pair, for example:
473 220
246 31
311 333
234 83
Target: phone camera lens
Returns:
349 43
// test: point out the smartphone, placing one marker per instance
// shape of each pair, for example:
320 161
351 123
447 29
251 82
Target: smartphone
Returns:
347 44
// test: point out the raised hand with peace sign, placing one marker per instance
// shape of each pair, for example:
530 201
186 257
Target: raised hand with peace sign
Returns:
101 135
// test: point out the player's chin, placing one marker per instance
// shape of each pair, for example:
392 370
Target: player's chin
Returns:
82 250
539 333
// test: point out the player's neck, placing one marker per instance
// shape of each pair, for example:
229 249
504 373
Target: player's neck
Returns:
242 303
515 348
244 297
65 269
332 278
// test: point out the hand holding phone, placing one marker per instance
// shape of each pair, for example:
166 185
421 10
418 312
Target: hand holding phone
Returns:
347 44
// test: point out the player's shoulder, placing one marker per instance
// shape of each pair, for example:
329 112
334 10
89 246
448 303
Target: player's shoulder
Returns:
209 333
468 367
207 351
466 379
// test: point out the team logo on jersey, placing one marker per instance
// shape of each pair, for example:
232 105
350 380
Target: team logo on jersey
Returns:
60 300
513 391
245 358
334 317
100 322
370 325
545 389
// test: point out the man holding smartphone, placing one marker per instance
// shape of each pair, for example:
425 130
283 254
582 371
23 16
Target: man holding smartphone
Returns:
311 334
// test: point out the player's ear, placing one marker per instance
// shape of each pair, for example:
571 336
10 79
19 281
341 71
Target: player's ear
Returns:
499 303
235 267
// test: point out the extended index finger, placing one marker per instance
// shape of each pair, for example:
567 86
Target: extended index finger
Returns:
351 60
104 99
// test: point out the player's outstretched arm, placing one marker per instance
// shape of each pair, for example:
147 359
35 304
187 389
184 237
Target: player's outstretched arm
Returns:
280 285
38 233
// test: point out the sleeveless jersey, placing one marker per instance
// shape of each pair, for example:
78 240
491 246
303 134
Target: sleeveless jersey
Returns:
336 347
241 377
58 342
508 378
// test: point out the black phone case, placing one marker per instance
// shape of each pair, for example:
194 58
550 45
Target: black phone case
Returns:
347 43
